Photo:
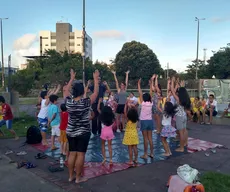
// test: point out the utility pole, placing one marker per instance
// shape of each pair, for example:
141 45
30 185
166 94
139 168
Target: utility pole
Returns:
40 45
198 41
204 55
3 76
167 70
9 78
83 45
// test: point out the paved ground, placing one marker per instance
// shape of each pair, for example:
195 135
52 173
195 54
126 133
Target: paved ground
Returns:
152 177
13 180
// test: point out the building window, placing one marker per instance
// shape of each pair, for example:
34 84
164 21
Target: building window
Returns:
78 44
53 44
71 44
45 38
53 37
79 37
47 45
71 37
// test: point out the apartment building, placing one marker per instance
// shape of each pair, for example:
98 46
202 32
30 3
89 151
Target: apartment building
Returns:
23 66
65 39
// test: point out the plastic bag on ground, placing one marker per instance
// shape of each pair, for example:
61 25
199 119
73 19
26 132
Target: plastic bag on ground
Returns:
187 173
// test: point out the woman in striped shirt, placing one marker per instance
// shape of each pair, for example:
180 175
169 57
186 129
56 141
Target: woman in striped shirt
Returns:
78 130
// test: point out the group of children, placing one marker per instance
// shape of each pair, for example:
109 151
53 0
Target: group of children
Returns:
202 107
147 114
49 115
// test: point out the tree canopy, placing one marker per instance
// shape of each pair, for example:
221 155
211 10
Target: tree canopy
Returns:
54 69
134 56
139 59
201 70
219 64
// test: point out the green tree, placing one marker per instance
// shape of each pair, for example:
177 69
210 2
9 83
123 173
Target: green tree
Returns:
23 82
139 59
171 72
104 69
54 69
201 70
219 64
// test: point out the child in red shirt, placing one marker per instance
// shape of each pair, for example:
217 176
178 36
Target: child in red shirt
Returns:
7 117
63 126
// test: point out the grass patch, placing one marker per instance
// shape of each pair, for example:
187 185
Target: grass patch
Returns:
20 125
28 101
216 182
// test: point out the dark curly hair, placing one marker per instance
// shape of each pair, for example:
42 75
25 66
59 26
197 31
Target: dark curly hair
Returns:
53 98
63 107
78 89
147 97
159 86
132 115
2 99
43 94
170 109
184 98
107 116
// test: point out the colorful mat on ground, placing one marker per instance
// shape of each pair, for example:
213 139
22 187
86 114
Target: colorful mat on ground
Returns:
195 145
93 167
120 151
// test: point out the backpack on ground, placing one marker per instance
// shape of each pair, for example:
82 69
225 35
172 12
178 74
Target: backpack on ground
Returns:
33 135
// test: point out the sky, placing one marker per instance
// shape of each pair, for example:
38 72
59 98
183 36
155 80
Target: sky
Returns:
167 27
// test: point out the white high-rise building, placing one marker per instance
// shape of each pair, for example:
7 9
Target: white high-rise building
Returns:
64 39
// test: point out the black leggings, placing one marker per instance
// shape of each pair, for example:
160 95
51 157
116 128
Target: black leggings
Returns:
96 123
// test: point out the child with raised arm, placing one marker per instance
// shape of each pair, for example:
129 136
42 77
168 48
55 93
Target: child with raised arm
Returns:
122 98
43 113
146 120
168 131
184 103
131 135
157 98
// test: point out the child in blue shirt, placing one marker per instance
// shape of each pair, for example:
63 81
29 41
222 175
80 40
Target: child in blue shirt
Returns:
54 120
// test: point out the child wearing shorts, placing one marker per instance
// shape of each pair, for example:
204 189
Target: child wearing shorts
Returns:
7 115
63 126
147 124
54 120
43 113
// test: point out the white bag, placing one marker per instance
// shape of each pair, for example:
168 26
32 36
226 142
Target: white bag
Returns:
187 173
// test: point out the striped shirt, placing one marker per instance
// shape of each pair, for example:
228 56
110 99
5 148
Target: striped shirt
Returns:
180 111
78 122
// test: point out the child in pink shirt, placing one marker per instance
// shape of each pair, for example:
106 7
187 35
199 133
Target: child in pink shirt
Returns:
146 120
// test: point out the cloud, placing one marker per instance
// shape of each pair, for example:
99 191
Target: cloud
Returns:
25 42
220 19
26 45
109 34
